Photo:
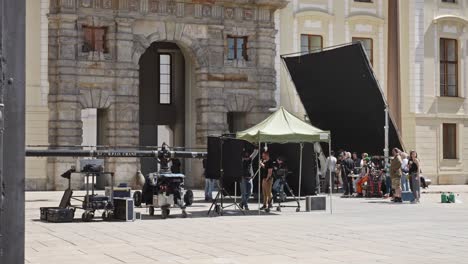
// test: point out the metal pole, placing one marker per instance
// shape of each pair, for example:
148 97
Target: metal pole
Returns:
12 94
331 180
300 171
386 150
259 176
317 176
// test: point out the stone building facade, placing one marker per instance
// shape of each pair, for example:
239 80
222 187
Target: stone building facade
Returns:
216 84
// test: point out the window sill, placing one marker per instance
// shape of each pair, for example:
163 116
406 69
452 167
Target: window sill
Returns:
455 5
458 98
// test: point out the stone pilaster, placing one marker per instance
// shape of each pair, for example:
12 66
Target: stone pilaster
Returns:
65 126
122 129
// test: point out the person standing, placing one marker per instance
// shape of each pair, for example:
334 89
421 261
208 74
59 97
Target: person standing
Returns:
395 174
247 173
404 168
347 166
209 183
414 170
357 163
330 164
266 172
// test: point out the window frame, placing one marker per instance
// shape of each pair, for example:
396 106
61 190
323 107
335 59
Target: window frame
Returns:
446 62
445 141
245 47
309 37
449 1
170 78
93 40
357 39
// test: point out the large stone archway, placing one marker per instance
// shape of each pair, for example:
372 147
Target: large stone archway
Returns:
108 80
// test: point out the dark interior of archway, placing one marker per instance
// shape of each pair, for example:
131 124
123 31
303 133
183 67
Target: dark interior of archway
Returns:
155 109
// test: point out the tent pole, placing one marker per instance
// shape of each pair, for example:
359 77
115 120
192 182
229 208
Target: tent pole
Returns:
330 176
259 172
300 171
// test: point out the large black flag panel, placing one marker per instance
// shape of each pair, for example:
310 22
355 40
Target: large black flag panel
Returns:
340 93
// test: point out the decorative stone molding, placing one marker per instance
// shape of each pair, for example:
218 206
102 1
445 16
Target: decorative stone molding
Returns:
239 103
182 34
95 98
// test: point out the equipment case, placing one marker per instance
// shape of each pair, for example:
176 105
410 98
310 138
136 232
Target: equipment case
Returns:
57 215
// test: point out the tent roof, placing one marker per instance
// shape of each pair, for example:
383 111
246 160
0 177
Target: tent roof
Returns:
283 127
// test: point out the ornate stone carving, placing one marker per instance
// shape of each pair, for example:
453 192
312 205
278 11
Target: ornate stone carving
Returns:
107 4
229 13
133 5
206 11
86 3
154 6
248 14
171 8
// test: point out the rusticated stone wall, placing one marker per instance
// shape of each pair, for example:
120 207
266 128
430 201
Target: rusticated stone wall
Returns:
109 80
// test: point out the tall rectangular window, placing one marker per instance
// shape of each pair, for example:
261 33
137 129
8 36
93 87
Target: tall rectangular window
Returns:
450 141
237 48
310 43
367 43
165 80
94 39
448 49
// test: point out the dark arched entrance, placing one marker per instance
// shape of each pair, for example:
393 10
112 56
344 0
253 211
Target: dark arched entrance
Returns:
161 98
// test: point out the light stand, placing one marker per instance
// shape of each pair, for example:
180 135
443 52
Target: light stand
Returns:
218 202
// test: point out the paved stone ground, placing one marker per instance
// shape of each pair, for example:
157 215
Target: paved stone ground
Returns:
359 231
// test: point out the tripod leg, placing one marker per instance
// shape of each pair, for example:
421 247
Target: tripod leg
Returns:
215 202
292 193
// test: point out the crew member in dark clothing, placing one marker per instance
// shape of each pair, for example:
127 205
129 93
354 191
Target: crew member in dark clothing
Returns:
247 173
347 166
266 172
357 163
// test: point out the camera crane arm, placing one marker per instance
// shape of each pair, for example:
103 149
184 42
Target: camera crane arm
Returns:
115 153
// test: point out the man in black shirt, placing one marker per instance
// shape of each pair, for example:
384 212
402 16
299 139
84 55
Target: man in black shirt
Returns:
266 172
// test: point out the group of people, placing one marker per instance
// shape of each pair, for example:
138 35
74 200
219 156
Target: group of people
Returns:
271 174
269 171
352 171
355 172
404 169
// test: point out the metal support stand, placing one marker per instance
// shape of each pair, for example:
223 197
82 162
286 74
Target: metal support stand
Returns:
218 202
330 172
386 150
300 171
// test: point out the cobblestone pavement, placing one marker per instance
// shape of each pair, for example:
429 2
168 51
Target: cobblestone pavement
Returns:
358 231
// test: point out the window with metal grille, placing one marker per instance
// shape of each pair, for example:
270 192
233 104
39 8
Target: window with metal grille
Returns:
448 67
94 39
367 43
450 141
237 48
165 80
311 43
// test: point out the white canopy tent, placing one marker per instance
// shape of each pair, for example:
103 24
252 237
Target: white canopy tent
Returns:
284 127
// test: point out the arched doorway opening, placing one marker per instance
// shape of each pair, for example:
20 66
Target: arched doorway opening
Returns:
162 100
